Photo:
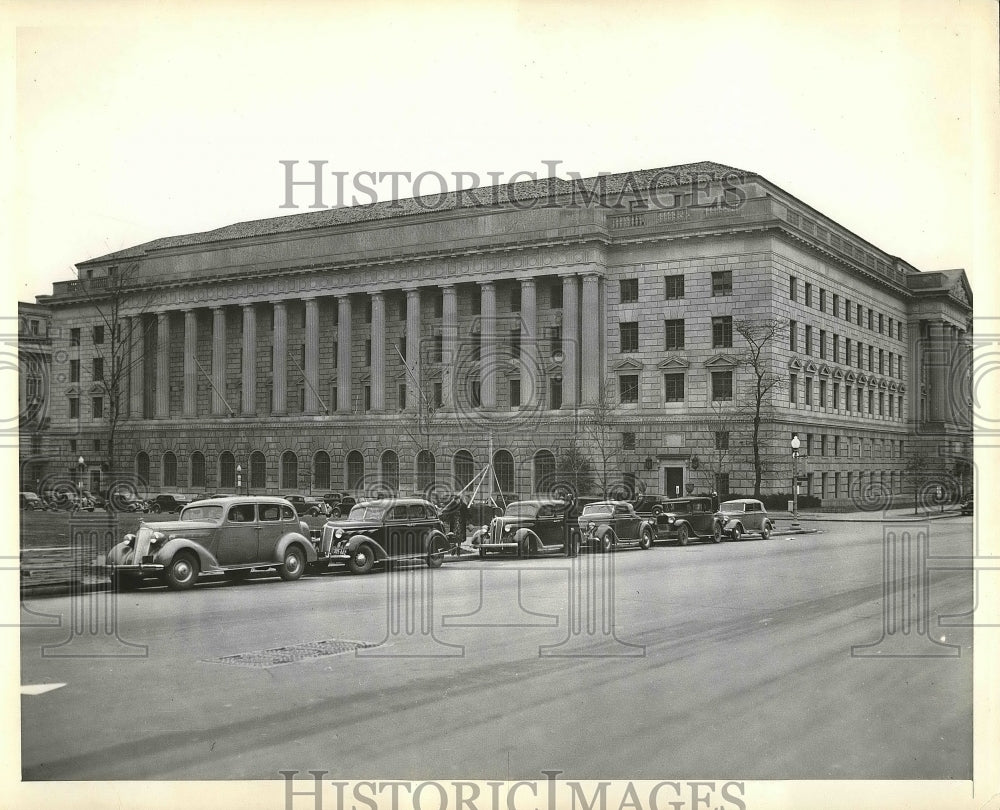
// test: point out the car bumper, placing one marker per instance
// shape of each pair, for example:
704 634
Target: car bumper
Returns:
129 569
491 546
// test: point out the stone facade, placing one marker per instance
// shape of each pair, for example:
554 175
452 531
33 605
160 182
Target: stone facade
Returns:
357 341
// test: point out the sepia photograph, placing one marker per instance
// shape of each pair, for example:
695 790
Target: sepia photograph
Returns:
502 405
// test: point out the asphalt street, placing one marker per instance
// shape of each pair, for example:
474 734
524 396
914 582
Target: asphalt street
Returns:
707 661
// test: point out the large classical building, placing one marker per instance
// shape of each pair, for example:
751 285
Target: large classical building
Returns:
401 345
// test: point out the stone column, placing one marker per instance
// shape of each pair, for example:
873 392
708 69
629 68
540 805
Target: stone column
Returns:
312 356
413 392
249 368
344 354
279 392
590 349
190 369
162 365
570 342
449 344
938 361
378 352
136 358
219 403
531 371
488 336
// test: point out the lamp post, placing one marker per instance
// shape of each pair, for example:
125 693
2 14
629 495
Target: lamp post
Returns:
239 479
80 465
795 482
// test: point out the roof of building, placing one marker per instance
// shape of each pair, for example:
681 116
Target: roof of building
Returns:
613 184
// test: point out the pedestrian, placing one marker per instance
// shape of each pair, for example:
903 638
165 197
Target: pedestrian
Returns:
463 522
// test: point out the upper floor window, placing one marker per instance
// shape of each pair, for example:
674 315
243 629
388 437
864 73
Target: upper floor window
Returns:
629 335
809 294
673 387
98 368
98 335
793 288
836 305
674 334
673 287
722 386
74 337
556 295
722 282
629 289
722 332
793 340
628 388
822 300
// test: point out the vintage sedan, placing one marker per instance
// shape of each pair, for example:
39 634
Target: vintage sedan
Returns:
744 516
307 505
383 531
685 519
168 502
528 528
607 525
228 536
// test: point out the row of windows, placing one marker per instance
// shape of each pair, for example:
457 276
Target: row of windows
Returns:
853 483
876 321
96 407
97 370
96 334
255 475
673 334
673 286
877 358
854 399
824 444
673 387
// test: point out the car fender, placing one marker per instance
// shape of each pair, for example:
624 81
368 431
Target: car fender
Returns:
358 539
294 537
438 536
602 528
206 560
731 524
521 534
647 524
120 554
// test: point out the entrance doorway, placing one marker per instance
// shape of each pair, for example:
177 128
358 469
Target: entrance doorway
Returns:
673 482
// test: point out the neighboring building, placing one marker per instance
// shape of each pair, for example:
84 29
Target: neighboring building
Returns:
396 345
34 356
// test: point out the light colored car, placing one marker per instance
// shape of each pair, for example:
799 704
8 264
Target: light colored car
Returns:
607 525
228 536
745 516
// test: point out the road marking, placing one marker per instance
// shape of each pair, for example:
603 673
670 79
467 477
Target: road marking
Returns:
40 688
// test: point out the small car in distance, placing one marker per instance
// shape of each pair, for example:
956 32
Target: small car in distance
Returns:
339 503
528 528
30 502
648 505
684 519
607 525
229 536
306 505
968 506
744 516
385 530
168 502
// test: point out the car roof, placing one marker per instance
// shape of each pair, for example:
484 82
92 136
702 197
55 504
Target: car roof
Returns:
231 499
742 500
608 503
394 502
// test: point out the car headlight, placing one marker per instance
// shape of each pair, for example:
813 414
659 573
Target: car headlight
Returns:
508 529
158 537
591 526
338 533
484 528
129 540
670 519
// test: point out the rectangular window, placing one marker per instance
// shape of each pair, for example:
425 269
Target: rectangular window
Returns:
847 398
822 394
74 371
335 353
673 287
438 395
98 335
722 386
809 294
836 305
836 348
368 351
97 407
722 440
401 392
74 408
438 305
871 402
793 288
890 363
880 323
793 329
673 387
368 310
809 391
861 401
515 298
673 334
822 300
74 337
870 319
722 332
98 369
822 445
822 344
476 394
555 340
439 348
555 295
836 395
628 388
629 290
97 445
628 334
722 282
515 393
555 393
515 342
881 361
793 388
871 357
476 300
899 330
860 313
809 335
809 444
302 357
628 440
847 310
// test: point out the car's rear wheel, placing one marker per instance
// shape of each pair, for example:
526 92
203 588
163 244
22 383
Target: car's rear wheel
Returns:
435 557
682 535
294 564
657 510
646 540
524 550
717 533
155 509
182 572
335 512
607 541
765 532
361 560
737 532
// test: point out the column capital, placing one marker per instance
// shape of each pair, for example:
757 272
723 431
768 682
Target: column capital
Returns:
279 304
487 284
411 292
378 294
527 282
250 305
217 307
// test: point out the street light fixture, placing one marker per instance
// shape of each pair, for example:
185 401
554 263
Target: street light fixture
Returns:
80 465
795 482
239 478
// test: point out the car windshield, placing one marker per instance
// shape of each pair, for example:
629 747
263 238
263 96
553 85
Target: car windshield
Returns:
521 510
597 508
732 506
371 511
212 513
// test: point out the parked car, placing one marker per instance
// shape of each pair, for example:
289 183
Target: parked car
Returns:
608 525
340 503
528 528
169 502
307 505
686 519
228 536
648 505
745 516
30 502
968 506
94 499
385 530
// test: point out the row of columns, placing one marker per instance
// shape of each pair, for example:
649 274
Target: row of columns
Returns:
940 356
579 338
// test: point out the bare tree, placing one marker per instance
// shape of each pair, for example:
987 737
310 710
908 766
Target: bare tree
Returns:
601 427
759 337
918 472
574 468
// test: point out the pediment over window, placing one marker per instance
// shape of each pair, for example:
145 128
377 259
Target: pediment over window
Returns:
96 390
554 369
883 384
902 388
873 382
722 361
795 364
72 391
838 374
893 386
431 373
810 368
628 364
824 370
862 379
850 376
673 362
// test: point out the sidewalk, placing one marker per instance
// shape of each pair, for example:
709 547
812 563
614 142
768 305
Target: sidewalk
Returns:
904 514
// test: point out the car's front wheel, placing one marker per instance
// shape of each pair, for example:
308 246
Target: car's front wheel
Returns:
182 572
737 532
435 557
717 533
765 532
361 560
682 535
646 540
155 509
294 564
607 541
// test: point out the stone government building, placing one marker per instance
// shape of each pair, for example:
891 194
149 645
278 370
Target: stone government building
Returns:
396 345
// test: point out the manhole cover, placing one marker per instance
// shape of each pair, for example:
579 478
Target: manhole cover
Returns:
292 653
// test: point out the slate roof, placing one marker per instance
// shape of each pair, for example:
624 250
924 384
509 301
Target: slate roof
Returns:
517 192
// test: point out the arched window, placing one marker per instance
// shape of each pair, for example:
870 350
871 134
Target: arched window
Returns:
169 469
464 468
289 470
355 470
545 470
227 471
142 467
425 470
503 469
258 470
390 470
198 470
321 470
